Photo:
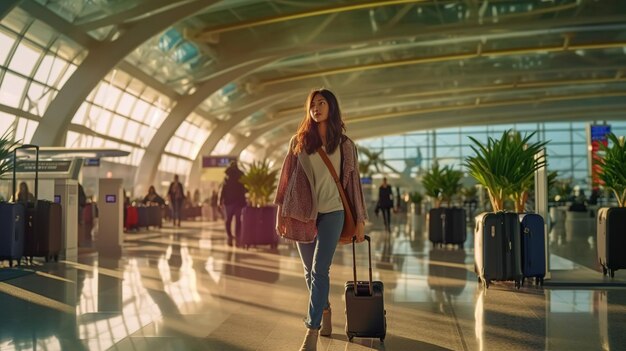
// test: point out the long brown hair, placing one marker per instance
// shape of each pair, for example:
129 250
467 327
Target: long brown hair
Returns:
307 137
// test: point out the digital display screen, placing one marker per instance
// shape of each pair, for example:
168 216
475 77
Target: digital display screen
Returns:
599 132
57 199
110 199
366 180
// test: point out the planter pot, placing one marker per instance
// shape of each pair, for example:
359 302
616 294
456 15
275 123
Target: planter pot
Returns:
611 239
259 226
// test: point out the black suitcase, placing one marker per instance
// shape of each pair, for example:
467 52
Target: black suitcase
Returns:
447 226
42 229
497 252
533 241
142 217
365 309
12 231
611 237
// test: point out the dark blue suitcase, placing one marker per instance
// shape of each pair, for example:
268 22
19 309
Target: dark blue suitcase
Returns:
12 231
497 251
533 247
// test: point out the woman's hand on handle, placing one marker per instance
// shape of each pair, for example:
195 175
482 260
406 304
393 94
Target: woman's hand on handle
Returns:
360 232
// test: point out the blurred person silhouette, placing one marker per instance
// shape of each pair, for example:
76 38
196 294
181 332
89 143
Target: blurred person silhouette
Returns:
153 198
385 203
233 198
23 194
214 205
176 195
309 201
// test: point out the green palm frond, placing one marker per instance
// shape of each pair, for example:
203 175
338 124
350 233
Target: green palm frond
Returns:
613 168
6 152
506 166
442 183
260 181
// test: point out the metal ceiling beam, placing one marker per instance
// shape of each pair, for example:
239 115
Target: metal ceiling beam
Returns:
140 10
100 60
146 172
7 6
443 58
59 24
208 34
485 115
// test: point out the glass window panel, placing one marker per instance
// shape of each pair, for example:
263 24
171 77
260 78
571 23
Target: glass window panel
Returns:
12 89
6 43
112 96
224 146
183 129
33 96
49 69
68 73
25 58
140 111
580 149
117 126
126 104
558 136
81 114
16 20
101 93
557 149
173 145
72 139
103 121
131 130
6 122
40 33
25 129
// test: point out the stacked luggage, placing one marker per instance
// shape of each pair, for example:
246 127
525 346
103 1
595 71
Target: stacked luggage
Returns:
43 227
508 246
447 226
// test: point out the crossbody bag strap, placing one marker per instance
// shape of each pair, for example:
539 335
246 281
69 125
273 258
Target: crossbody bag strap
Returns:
342 193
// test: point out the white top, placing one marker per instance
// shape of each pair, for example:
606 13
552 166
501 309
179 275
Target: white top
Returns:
328 198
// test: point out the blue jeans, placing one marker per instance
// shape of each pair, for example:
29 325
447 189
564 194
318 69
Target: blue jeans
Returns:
316 259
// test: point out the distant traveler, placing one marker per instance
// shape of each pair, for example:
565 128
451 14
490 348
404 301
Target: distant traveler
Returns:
176 195
24 195
233 198
303 173
153 198
385 203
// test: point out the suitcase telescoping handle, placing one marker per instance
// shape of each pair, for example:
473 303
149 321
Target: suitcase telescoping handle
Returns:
26 146
369 259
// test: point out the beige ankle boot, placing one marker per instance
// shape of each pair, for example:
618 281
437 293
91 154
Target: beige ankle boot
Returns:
327 324
310 340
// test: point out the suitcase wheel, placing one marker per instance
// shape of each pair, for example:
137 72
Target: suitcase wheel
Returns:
350 337
518 284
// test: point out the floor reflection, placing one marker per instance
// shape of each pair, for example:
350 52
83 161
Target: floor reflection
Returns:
180 290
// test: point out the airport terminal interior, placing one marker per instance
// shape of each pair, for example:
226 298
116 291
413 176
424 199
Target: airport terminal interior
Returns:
124 96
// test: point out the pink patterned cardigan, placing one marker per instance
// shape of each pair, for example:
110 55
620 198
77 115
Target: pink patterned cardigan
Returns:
296 197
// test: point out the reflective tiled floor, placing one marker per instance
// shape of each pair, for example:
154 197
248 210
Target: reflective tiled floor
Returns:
184 289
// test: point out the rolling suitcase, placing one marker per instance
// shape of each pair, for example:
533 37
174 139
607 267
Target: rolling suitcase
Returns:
258 227
43 227
12 219
497 251
365 309
142 217
447 226
533 241
611 228
11 231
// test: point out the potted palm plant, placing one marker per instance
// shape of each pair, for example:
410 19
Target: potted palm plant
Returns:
259 218
612 220
11 214
6 152
506 167
446 225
